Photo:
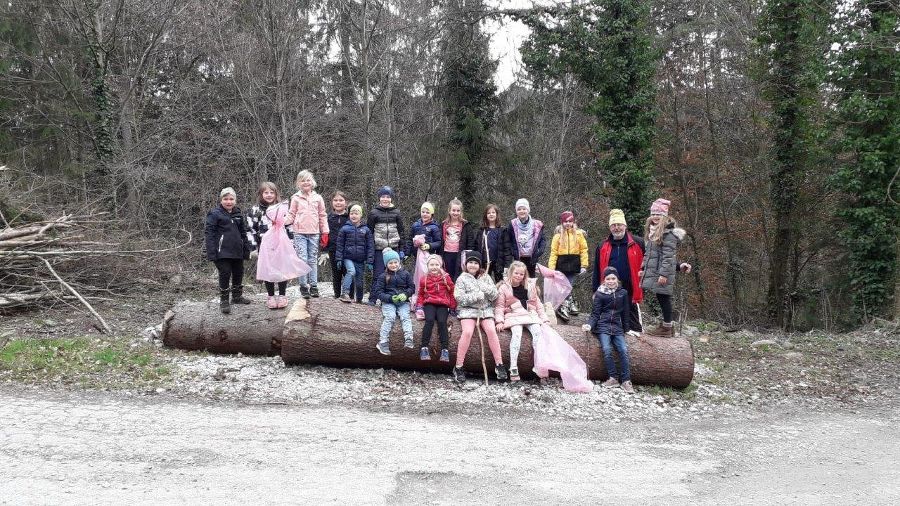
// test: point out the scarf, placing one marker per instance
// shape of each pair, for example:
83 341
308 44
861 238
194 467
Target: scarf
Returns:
607 290
525 237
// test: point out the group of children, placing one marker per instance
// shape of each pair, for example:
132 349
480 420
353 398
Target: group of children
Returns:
482 275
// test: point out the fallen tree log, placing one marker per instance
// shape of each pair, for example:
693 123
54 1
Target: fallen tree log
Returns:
328 332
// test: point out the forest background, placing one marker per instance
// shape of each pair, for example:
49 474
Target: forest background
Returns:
774 127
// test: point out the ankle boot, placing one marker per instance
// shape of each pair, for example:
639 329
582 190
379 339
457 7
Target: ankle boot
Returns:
667 329
655 331
237 295
223 301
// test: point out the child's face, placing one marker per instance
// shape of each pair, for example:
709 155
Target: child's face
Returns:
393 265
426 216
568 225
517 276
268 196
654 219
522 213
228 202
455 212
338 204
434 266
611 281
472 267
385 200
305 185
491 215
355 216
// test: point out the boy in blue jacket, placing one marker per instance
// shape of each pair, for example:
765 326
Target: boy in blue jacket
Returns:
355 249
609 321
394 288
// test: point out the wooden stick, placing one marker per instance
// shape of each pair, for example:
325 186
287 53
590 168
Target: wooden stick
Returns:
78 295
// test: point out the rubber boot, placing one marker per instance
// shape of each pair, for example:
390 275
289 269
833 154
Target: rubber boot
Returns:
237 295
223 301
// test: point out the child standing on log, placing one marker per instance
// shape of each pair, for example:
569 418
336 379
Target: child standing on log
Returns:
518 305
609 321
489 239
523 239
457 236
337 218
424 240
393 288
386 224
568 255
227 245
310 224
354 251
657 274
436 295
475 294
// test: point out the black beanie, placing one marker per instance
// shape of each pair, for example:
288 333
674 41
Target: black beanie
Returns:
474 255
610 270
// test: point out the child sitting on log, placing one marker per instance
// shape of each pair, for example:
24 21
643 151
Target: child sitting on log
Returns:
475 293
436 296
609 321
393 288
227 245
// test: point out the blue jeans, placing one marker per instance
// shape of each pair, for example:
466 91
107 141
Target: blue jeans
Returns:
390 311
353 277
608 342
307 248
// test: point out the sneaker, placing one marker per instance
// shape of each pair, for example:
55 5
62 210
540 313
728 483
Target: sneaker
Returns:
304 291
373 303
408 342
629 389
424 355
562 314
282 301
501 373
272 302
573 308
445 355
514 374
383 348
610 383
345 297
459 375
314 291
420 314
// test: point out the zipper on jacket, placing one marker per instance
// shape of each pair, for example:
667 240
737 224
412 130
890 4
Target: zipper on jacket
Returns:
221 238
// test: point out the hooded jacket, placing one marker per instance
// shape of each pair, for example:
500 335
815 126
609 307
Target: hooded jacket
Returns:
226 234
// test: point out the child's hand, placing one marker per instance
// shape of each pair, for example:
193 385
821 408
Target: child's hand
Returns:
368 267
401 297
323 259
254 253
662 280
686 267
499 328
634 333
395 299
586 327
640 274
425 247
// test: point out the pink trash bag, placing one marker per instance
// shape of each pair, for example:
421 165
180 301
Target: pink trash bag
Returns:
553 353
556 286
277 259
421 268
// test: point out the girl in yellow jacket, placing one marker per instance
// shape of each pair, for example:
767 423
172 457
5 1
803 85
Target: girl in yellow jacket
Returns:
568 255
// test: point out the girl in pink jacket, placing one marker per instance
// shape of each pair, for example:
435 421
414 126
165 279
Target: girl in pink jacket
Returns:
309 221
518 305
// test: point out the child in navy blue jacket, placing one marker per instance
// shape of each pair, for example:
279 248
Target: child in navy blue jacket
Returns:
228 245
393 288
355 249
609 321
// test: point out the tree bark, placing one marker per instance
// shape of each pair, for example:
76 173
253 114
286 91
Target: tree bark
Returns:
329 332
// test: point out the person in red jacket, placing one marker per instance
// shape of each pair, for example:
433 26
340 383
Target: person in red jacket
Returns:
625 252
436 296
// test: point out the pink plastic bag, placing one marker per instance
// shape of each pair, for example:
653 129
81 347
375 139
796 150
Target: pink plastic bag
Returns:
277 259
553 353
421 267
556 286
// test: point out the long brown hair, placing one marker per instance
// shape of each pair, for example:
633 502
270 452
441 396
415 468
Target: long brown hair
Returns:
484 219
267 185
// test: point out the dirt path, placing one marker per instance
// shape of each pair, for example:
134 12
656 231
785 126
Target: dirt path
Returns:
79 448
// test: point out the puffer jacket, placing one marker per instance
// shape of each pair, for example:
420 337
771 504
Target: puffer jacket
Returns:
509 311
307 214
354 242
571 243
475 297
436 289
611 312
226 234
432 233
401 282
387 229
510 247
662 260
335 223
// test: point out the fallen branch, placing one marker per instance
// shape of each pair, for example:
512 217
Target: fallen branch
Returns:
78 295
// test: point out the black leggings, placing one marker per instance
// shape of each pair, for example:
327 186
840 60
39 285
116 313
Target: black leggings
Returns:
337 274
665 302
432 313
231 270
270 288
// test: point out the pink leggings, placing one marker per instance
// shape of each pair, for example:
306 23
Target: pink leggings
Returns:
468 328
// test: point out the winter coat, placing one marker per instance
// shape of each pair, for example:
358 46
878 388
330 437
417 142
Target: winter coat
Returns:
436 289
510 247
508 309
355 243
661 260
226 234
489 246
401 282
611 313
258 223
335 223
432 233
635 253
475 297
307 214
387 229
466 236
569 244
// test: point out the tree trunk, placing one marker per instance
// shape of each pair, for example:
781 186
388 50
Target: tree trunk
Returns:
329 332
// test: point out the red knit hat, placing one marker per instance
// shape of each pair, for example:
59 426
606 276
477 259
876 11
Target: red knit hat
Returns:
566 216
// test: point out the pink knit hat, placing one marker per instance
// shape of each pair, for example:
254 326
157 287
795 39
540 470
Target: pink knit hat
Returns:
566 216
660 206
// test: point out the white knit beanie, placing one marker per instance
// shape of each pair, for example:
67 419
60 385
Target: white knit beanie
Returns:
523 203
227 191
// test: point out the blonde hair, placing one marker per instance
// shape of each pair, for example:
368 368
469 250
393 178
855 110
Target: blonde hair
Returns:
564 237
657 233
267 185
304 175
455 202
526 281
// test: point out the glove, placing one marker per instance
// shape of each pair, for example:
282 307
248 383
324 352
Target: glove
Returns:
586 327
323 259
323 241
395 299
402 256
401 297
418 240
368 267
634 333
686 267
583 270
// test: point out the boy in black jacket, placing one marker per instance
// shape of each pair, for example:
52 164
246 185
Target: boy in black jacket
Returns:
337 218
228 245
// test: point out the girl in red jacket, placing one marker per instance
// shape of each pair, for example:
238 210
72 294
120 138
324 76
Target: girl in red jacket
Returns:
436 296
